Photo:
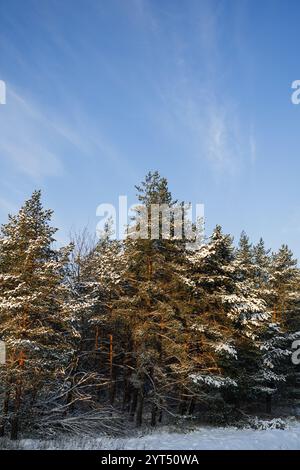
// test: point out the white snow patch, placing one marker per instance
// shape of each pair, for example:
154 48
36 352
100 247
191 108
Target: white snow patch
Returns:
203 438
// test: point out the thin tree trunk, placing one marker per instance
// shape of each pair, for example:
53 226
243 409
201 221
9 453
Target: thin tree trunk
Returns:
191 407
113 386
70 393
126 394
110 355
139 411
15 419
96 338
182 405
153 415
112 372
133 404
274 315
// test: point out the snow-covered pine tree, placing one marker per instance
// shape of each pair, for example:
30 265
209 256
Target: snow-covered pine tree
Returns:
252 323
34 320
153 307
284 302
285 288
231 324
262 260
212 343
97 272
264 355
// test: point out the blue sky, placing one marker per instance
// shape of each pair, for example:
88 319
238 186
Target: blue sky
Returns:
99 92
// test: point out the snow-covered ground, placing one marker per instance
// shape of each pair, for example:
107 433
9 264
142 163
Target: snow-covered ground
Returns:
203 438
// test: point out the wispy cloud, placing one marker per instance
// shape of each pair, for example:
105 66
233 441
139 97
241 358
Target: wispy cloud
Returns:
34 138
194 102
218 145
189 102
24 143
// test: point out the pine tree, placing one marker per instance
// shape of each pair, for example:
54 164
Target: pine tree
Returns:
212 346
267 356
34 321
232 325
255 330
261 259
96 274
153 308
284 284
284 301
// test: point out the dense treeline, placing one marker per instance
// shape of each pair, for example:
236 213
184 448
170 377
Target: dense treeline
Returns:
100 335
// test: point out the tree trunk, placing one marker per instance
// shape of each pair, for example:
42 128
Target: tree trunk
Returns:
139 411
112 392
133 404
191 407
113 385
69 397
153 415
15 419
160 414
126 394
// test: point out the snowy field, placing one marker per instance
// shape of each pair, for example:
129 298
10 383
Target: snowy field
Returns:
204 438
